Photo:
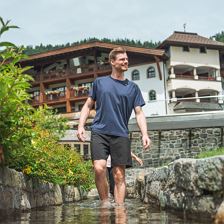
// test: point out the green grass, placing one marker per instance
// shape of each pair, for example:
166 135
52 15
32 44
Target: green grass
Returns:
215 152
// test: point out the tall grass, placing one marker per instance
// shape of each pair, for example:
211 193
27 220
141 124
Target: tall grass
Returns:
215 152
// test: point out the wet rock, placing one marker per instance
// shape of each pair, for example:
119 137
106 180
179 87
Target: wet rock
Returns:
194 185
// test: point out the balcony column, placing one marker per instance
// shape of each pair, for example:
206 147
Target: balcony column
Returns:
196 96
173 99
220 100
195 73
217 75
68 104
172 74
42 93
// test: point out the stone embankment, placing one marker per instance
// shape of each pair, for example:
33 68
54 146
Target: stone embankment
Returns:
191 185
18 191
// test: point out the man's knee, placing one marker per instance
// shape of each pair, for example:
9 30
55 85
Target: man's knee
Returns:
99 168
119 175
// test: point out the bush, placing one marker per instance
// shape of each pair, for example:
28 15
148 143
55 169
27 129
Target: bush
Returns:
215 152
30 136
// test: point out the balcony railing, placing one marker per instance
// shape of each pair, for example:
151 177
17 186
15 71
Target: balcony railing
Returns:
180 76
103 67
54 95
34 100
77 70
54 74
82 69
206 78
191 77
79 91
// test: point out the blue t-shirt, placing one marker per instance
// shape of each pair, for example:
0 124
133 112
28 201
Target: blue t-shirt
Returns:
115 100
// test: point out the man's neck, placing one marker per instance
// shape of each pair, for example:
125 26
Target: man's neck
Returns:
117 75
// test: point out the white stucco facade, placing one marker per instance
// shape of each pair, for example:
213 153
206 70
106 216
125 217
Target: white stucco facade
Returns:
192 74
152 107
194 57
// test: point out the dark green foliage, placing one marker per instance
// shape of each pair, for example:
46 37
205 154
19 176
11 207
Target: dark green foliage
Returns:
219 36
29 50
214 152
29 137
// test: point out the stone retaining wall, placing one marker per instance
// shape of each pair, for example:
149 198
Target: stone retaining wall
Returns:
18 191
192 185
168 145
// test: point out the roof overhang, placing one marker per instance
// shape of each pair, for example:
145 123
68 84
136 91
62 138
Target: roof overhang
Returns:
95 45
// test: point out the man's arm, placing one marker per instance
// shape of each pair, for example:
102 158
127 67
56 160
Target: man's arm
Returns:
83 117
141 121
137 159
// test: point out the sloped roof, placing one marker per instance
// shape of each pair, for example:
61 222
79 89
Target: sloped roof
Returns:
96 44
191 39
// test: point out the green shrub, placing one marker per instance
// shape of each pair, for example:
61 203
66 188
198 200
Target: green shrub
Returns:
215 152
30 136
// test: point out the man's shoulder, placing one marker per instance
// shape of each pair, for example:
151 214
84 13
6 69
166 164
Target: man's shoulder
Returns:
131 83
101 79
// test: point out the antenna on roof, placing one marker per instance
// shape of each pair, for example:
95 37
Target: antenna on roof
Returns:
184 27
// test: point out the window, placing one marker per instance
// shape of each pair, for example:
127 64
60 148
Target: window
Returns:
186 48
203 50
77 147
151 73
67 146
80 107
86 151
152 95
135 75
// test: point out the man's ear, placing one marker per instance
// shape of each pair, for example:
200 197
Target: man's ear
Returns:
112 62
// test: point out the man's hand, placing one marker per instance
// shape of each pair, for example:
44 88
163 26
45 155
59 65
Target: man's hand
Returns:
146 142
81 134
139 161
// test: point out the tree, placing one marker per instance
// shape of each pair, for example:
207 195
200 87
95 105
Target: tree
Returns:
219 36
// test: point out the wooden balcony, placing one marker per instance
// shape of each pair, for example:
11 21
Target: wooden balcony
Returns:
54 97
180 76
54 75
79 93
35 101
75 72
207 78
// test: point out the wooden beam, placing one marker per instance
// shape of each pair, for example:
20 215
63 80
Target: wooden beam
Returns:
68 104
158 67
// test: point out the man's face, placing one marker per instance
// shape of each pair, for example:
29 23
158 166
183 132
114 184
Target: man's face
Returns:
121 62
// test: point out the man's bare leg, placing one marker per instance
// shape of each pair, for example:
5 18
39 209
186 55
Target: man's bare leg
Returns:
101 179
120 185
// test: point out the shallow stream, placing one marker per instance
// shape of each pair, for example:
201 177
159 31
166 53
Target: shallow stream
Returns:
89 212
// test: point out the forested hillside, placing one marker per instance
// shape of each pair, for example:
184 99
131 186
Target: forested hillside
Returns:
136 43
43 48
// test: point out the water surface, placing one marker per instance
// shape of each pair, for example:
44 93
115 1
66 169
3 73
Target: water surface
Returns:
90 212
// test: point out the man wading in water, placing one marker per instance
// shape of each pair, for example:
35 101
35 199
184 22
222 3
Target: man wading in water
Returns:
115 99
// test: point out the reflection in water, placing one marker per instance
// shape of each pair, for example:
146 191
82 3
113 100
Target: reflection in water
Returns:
90 212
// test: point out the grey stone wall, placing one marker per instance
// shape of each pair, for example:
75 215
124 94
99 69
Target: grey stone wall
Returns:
17 191
191 185
168 145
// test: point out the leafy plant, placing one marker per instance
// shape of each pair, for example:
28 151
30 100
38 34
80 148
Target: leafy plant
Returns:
215 152
28 136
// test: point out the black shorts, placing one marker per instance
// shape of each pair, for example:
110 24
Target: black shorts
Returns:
119 148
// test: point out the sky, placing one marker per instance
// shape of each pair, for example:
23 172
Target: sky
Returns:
67 21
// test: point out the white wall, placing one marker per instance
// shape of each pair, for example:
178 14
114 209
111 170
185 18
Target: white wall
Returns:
198 85
157 107
194 57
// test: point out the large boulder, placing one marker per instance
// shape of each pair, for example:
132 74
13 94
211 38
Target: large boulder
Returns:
193 185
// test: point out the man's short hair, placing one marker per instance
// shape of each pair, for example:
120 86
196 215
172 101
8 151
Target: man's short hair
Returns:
115 52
